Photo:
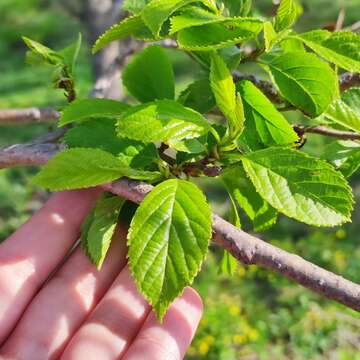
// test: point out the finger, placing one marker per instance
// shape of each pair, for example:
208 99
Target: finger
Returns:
63 304
29 255
170 339
113 324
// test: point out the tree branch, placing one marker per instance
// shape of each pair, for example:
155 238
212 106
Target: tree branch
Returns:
251 250
106 79
348 80
27 154
265 86
244 247
23 116
322 130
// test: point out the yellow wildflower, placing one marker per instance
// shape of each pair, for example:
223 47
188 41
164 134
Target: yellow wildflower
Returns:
204 348
239 339
234 310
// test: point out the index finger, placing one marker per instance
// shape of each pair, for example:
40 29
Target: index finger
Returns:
31 253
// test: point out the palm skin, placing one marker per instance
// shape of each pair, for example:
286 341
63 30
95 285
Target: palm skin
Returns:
54 306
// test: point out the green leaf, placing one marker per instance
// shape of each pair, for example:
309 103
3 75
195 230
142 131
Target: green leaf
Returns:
149 76
340 48
192 146
223 88
230 54
287 14
71 53
156 12
292 44
219 35
95 133
44 54
346 111
242 191
228 264
168 239
131 26
134 6
86 109
264 124
340 113
351 165
300 186
304 80
345 155
101 134
238 7
270 35
192 16
351 97
198 96
100 227
163 120
80 168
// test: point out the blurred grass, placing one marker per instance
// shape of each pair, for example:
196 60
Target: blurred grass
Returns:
254 315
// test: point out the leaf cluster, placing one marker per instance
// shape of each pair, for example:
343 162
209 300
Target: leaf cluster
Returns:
216 127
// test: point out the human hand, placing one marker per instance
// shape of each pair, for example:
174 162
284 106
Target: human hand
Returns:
52 307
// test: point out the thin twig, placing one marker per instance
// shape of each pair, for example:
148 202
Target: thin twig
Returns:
353 27
340 20
22 116
266 86
29 115
244 247
325 131
348 80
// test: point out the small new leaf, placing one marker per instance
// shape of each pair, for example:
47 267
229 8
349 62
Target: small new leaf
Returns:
345 155
346 111
45 54
168 239
300 186
149 76
264 125
227 99
100 227
242 191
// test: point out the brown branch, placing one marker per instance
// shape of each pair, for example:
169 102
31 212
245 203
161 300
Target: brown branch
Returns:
244 247
103 83
27 154
322 130
23 116
251 250
265 86
348 80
